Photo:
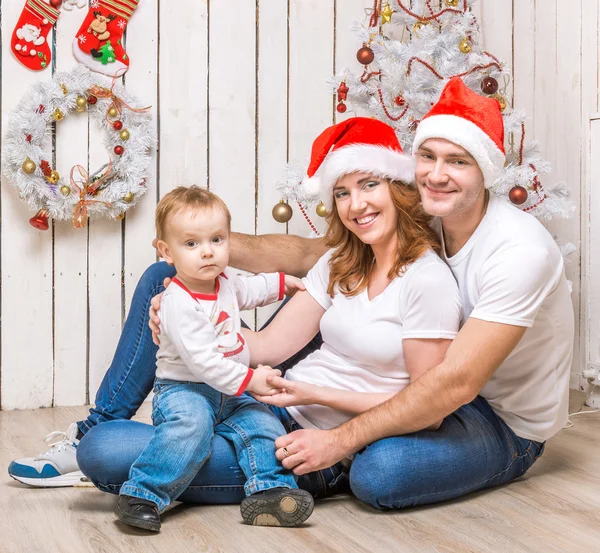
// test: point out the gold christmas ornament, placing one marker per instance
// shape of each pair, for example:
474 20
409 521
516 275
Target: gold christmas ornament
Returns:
452 3
28 166
322 210
80 103
465 46
419 25
282 212
64 88
58 115
386 14
53 177
124 134
65 190
128 198
113 111
120 216
501 99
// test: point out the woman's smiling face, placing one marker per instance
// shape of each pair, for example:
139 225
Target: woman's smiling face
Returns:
365 207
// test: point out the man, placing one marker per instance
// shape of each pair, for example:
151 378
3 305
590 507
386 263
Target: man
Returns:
502 388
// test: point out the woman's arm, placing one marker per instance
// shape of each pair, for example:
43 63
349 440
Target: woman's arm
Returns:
295 392
420 355
293 327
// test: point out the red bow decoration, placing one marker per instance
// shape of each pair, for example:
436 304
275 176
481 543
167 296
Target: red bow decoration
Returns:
80 212
117 102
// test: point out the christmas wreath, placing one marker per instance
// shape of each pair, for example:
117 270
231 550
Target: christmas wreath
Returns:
106 192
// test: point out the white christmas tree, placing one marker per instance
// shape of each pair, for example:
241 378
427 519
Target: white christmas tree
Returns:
401 79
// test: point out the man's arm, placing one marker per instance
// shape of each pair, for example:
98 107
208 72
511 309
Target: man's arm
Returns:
272 253
472 358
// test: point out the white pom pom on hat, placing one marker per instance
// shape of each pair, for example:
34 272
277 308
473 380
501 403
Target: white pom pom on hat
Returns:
356 145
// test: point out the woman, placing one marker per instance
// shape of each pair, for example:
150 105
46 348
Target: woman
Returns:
386 305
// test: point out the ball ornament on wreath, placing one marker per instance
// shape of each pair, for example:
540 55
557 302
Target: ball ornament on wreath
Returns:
282 212
518 195
71 193
452 3
365 55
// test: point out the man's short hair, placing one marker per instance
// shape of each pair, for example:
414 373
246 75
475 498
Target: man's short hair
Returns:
183 196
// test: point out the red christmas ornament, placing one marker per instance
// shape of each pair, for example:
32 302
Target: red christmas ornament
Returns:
40 109
118 125
517 195
92 99
55 3
342 92
365 55
119 150
489 85
40 220
341 107
28 138
399 101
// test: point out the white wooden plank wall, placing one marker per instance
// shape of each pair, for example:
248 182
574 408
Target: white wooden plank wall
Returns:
237 89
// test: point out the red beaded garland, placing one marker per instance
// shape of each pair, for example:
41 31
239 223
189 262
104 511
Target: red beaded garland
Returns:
119 150
118 125
92 99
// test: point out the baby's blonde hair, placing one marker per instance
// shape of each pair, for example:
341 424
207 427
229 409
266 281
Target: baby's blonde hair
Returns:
183 196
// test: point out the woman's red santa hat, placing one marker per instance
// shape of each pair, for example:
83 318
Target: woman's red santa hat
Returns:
355 145
467 119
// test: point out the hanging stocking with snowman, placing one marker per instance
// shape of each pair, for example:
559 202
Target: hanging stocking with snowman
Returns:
98 43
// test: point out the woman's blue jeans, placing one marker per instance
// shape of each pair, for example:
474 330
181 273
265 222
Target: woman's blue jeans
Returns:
473 449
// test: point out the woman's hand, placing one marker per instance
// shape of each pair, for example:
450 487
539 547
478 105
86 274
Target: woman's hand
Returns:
290 393
154 321
292 285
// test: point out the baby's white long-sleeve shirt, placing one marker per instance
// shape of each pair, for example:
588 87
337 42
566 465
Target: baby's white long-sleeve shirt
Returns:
200 338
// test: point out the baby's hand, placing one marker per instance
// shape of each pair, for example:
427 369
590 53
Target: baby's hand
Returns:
292 285
258 383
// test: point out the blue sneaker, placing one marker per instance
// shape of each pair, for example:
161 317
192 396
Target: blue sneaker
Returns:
55 468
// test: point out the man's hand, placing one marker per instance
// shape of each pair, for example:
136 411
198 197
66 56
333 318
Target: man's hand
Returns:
154 321
258 383
288 392
292 285
308 450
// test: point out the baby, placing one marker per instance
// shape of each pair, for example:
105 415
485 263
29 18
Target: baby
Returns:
202 372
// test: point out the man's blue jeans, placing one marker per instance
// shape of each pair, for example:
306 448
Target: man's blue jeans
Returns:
186 417
473 449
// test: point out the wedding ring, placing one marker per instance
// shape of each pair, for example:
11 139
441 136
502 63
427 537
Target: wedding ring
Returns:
286 452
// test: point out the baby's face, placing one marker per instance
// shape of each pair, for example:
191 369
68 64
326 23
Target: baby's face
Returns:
198 241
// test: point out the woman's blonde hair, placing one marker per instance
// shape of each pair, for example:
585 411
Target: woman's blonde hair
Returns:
352 261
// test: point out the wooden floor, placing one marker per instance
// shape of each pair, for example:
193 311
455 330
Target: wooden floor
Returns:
554 508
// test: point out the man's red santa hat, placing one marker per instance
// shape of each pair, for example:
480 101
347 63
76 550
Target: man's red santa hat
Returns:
468 120
355 145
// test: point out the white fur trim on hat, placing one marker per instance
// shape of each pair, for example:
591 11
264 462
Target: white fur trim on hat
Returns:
379 161
468 135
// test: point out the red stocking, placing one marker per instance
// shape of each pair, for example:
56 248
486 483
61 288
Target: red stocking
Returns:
30 38
98 42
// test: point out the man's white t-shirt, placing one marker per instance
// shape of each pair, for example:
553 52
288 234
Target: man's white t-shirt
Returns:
511 271
362 349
